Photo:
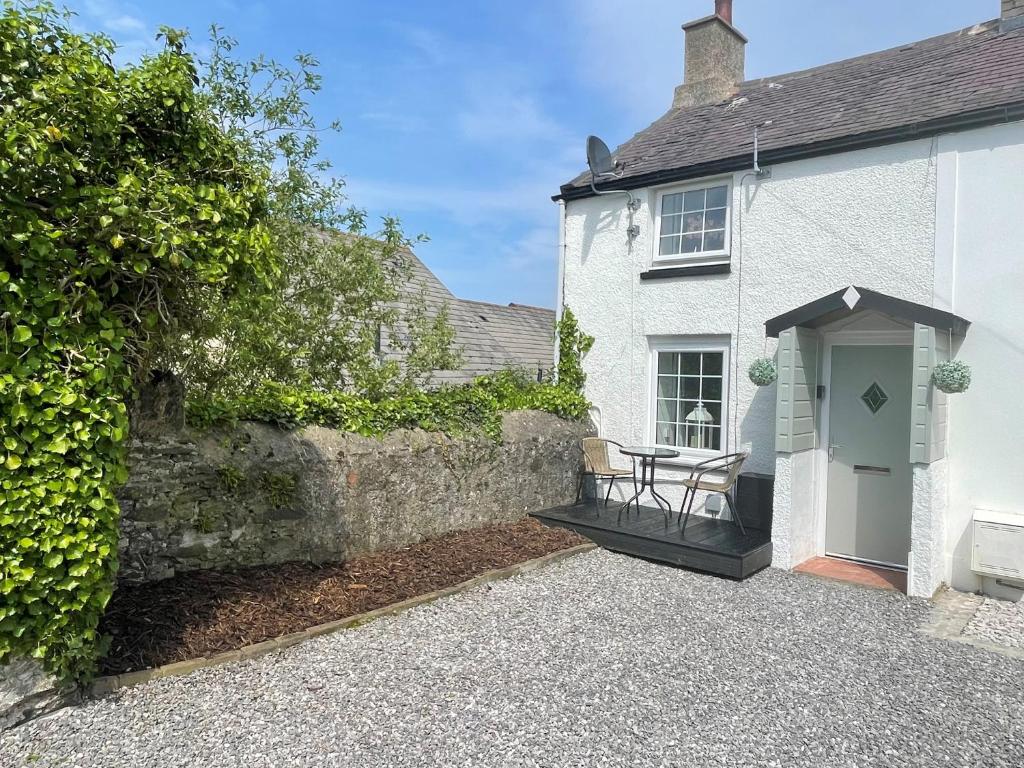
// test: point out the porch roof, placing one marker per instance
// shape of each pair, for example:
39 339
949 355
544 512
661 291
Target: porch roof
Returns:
846 301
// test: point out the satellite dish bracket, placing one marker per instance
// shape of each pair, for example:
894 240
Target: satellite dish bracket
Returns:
599 159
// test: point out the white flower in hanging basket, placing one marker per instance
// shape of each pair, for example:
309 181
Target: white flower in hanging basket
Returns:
762 371
951 376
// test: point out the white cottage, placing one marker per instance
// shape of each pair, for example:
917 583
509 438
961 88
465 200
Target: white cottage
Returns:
857 222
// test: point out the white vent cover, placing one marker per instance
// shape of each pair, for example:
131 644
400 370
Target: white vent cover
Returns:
998 544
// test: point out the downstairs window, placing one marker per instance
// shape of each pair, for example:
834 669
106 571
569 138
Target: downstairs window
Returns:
690 396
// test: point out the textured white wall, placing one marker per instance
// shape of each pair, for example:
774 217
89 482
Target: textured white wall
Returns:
817 225
928 529
980 275
795 523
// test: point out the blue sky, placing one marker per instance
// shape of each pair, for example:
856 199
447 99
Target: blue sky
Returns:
462 117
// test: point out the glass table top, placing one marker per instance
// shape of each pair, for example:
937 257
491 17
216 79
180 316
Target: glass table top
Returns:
649 451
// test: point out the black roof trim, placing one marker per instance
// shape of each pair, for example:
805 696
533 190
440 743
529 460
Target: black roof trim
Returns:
833 307
1006 113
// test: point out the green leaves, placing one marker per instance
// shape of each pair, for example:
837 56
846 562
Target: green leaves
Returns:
573 345
102 249
475 407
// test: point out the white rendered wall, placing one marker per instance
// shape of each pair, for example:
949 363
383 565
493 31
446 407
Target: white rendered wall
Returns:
864 218
980 275
795 521
928 529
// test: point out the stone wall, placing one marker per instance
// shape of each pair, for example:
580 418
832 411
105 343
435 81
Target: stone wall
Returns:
254 494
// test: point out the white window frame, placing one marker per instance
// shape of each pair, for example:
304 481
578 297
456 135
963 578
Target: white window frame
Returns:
703 257
722 344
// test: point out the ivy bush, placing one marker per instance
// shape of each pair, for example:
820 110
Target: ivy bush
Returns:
475 407
573 345
120 197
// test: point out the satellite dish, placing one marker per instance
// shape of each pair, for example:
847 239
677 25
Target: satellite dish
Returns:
599 157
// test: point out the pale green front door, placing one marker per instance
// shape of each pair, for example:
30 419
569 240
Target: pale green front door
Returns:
870 483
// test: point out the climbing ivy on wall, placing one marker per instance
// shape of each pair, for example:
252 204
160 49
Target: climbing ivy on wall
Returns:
573 345
119 197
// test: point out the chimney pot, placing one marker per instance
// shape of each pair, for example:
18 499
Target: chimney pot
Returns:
723 9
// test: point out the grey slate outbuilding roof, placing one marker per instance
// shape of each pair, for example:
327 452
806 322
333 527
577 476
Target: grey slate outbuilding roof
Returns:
491 337
970 77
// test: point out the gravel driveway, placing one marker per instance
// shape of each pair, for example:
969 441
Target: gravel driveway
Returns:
599 660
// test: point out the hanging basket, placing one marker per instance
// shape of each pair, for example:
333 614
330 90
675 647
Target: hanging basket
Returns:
951 376
762 371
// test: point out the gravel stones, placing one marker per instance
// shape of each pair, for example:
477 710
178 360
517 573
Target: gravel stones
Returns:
598 660
998 621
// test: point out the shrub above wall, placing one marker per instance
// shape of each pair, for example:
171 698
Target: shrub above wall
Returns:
475 407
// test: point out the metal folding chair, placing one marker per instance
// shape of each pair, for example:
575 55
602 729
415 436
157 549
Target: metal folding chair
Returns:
730 464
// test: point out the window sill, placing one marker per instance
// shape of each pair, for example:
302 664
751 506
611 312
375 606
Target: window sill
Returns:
695 270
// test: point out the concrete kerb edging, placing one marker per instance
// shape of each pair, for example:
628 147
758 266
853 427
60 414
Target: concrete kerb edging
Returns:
111 683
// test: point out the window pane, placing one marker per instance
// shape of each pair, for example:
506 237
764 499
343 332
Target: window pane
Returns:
691 364
686 408
666 434
691 243
711 388
691 387
693 222
668 362
715 219
715 409
717 197
712 363
713 438
669 245
671 204
694 201
668 386
670 225
667 410
714 241
687 436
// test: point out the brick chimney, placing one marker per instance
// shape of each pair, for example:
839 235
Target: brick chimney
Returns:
1011 14
714 58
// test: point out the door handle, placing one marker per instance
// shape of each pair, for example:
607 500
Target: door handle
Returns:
832 450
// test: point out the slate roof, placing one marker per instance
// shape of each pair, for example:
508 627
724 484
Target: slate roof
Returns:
491 337
972 76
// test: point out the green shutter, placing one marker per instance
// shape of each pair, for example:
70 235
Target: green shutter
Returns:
796 391
930 407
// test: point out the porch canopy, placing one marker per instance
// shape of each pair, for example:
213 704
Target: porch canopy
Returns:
799 366
847 301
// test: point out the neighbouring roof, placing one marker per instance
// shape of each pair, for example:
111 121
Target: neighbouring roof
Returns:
492 337
962 79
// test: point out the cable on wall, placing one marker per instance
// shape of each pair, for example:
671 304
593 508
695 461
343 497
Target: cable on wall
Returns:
739 315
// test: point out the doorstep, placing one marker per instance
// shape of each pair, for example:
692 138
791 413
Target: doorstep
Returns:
855 573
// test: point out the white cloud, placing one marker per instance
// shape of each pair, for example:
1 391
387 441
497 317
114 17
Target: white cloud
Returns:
632 56
496 114
399 122
431 48
130 31
125 24
462 203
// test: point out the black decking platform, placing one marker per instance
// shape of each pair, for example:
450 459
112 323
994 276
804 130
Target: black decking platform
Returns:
714 546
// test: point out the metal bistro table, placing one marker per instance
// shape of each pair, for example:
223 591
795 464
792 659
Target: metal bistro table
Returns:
648 455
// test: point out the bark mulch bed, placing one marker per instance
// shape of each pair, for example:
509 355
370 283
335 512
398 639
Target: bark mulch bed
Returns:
205 612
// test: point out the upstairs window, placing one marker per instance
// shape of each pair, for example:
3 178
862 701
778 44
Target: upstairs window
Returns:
693 223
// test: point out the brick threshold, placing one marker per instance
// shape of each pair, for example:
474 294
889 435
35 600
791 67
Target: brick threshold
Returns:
864 575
